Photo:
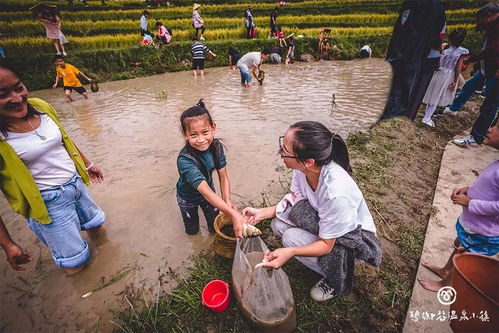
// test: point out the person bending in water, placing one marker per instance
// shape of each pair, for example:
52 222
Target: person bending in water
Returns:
68 73
43 178
324 222
253 61
201 155
478 226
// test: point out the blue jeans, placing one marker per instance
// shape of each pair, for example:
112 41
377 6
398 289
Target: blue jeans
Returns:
488 111
71 210
190 215
475 83
245 74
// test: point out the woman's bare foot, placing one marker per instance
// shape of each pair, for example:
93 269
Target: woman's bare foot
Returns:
441 272
75 270
432 285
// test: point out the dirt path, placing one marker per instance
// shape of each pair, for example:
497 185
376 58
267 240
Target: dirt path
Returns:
459 168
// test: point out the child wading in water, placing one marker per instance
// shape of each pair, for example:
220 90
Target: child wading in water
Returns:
443 84
201 155
68 73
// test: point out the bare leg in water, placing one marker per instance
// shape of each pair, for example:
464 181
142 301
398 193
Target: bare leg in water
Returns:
442 272
94 233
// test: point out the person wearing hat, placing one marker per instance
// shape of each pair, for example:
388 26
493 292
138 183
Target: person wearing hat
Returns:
197 21
291 49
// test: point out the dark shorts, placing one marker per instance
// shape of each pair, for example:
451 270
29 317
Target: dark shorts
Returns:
190 215
273 28
79 90
198 64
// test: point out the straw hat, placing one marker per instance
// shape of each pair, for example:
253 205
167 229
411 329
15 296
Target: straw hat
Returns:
196 6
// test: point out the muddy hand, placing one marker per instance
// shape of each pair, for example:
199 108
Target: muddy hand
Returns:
16 257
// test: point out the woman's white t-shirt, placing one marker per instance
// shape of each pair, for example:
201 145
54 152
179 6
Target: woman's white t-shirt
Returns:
337 199
47 160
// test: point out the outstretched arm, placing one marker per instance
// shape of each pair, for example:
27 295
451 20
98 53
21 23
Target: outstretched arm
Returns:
236 217
86 77
255 71
15 254
225 186
56 81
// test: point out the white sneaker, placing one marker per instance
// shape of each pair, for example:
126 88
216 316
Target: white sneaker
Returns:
428 122
449 111
322 291
201 38
58 53
467 141
64 54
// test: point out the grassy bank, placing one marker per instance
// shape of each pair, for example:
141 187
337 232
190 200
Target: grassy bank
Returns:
396 165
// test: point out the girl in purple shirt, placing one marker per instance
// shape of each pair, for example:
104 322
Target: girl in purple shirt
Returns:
478 226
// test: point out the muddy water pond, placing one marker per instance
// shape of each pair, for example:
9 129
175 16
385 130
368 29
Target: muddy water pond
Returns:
130 129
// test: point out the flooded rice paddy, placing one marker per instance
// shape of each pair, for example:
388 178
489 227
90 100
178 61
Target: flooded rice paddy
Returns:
130 129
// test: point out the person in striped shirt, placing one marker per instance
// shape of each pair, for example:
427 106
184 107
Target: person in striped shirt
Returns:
198 50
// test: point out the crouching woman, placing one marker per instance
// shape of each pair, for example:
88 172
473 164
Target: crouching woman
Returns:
324 222
42 175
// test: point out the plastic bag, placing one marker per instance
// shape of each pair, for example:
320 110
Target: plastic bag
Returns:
263 294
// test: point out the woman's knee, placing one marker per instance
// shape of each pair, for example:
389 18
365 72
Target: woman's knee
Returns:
278 226
297 237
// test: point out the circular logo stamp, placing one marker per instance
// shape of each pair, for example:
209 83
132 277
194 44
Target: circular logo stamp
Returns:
446 295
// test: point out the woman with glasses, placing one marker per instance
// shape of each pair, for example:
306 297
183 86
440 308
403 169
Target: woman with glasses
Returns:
324 222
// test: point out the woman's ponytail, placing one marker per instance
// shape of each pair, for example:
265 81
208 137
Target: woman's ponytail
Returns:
201 103
312 140
339 153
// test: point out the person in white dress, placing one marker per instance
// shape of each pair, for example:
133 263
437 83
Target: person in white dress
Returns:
443 84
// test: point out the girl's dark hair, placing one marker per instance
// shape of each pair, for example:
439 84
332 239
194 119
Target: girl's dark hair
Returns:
31 110
457 36
313 140
195 111
158 24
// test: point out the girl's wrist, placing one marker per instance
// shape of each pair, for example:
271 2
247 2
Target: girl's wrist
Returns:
89 166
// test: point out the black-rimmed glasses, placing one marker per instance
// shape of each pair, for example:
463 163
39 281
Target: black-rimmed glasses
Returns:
281 149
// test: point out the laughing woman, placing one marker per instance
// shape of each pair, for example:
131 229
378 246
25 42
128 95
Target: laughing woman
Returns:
324 222
42 175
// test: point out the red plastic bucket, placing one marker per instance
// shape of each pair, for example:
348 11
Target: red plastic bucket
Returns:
215 295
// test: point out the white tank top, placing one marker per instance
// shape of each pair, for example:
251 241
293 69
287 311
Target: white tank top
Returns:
47 160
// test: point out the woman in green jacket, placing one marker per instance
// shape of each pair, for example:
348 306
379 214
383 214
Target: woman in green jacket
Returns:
42 175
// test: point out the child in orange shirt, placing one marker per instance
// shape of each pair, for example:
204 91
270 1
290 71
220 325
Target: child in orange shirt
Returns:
68 73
